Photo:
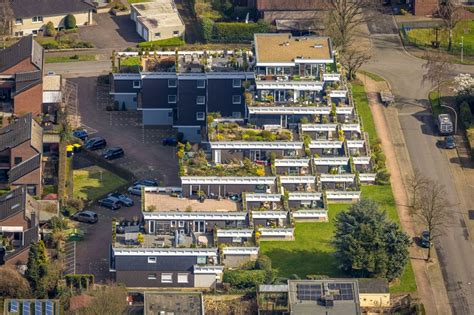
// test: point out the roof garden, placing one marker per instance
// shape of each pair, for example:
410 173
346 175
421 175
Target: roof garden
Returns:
154 201
231 131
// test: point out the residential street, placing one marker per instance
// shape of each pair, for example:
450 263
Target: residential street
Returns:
455 247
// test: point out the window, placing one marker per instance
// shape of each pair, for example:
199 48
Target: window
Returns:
201 100
151 260
236 83
200 116
173 224
236 240
34 32
172 99
182 278
175 33
236 99
136 84
152 276
172 83
181 223
236 115
166 278
201 260
19 34
37 19
18 21
201 84
18 160
158 35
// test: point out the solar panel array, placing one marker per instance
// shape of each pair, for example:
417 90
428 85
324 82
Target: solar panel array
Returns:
49 308
38 307
14 306
26 307
346 291
309 292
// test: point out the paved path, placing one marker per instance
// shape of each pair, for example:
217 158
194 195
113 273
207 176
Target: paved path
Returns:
455 248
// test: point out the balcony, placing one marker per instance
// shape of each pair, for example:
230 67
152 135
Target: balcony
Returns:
17 241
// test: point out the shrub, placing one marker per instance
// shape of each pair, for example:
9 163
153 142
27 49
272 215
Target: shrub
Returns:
263 262
49 44
466 114
70 21
244 279
207 26
49 29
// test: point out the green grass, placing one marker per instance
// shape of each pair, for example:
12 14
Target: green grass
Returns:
373 76
435 104
362 105
73 58
169 42
424 37
93 182
138 1
131 61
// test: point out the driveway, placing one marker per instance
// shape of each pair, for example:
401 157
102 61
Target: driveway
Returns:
114 32
145 156
455 247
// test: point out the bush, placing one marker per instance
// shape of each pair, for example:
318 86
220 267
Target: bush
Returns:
244 279
263 262
49 44
169 42
207 26
49 29
69 22
466 114
238 32
82 45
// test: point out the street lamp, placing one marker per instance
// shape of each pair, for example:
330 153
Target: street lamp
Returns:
455 116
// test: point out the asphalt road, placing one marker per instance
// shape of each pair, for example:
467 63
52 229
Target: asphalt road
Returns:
455 246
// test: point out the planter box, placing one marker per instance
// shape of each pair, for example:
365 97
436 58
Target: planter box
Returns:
120 13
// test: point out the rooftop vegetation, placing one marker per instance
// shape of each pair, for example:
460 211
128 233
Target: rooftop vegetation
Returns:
235 132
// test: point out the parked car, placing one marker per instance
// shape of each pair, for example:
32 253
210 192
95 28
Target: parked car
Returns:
124 199
169 141
136 190
113 153
85 216
449 142
95 143
425 239
111 203
147 182
81 134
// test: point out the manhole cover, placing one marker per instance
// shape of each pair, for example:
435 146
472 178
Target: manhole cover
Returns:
471 214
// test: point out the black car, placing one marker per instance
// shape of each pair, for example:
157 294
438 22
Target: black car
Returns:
85 216
449 142
113 153
111 203
95 143
425 239
169 141
146 182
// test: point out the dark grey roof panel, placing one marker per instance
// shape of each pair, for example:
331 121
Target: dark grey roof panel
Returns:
16 53
30 8
12 202
16 133
170 263
20 170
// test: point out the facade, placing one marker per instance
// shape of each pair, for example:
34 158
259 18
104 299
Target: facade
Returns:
197 83
157 19
21 77
30 16
18 226
21 149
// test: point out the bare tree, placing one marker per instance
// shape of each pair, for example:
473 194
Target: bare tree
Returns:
450 12
6 17
110 299
438 69
432 210
415 183
345 16
353 59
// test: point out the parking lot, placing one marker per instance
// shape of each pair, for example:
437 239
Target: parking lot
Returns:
145 156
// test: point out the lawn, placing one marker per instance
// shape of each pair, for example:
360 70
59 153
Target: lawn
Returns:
130 61
169 42
363 109
424 37
311 252
73 58
93 182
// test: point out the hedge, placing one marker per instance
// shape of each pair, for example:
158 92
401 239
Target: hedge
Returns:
244 279
79 281
169 42
231 32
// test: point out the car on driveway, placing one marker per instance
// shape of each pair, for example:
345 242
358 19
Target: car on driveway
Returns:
146 182
113 153
136 190
81 134
111 203
449 142
95 143
85 216
425 239
124 199
169 141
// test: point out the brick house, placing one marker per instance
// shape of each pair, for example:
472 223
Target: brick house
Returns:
18 226
21 77
21 148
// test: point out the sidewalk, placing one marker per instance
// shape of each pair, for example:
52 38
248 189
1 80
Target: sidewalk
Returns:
429 280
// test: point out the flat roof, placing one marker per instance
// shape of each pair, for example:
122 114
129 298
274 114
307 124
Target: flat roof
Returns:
52 82
286 49
158 13
173 303
162 202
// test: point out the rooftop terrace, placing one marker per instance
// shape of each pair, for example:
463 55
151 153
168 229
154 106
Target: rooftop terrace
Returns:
161 202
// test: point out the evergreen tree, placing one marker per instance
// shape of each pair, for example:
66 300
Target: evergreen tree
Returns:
37 268
367 244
